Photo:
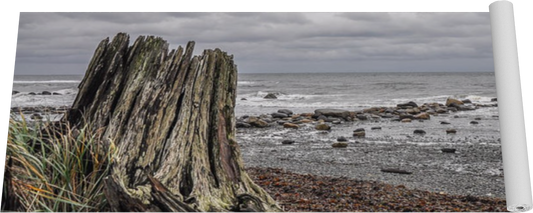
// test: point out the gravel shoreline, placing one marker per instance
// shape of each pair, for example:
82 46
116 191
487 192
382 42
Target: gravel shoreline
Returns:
474 168
310 193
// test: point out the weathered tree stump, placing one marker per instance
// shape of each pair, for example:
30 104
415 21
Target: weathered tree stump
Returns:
170 117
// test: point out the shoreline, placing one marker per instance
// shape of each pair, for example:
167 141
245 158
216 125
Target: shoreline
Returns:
305 193
474 168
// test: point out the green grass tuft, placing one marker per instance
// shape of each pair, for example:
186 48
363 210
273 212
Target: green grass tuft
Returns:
56 169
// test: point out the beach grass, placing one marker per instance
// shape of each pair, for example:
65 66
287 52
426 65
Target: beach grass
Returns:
59 170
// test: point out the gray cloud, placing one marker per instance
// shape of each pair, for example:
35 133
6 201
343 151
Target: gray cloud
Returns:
63 43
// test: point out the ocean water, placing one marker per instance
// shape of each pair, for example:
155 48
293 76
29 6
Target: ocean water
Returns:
355 91
301 92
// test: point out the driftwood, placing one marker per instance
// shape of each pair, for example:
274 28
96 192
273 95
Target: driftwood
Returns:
170 116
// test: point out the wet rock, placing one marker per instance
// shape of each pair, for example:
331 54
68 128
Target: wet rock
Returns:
305 120
474 122
423 116
279 115
285 111
374 117
271 96
477 119
339 113
419 132
387 116
467 101
290 126
287 142
256 122
56 93
339 145
242 125
359 133
408 104
494 99
322 117
448 150
444 122
465 108
376 128
243 99
403 116
32 93
46 93
281 122
336 122
342 139
441 110
451 101
406 120
14 92
362 117
451 131
322 127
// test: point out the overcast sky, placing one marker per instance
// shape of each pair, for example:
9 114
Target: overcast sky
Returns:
63 43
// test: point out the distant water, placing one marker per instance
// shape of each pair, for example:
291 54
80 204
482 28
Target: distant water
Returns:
354 91
301 92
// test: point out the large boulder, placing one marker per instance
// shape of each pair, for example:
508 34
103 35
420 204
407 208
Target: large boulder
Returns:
451 101
271 96
279 115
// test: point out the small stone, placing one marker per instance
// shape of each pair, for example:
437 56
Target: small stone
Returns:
279 115
291 126
287 142
422 115
419 132
32 93
474 122
444 122
448 150
359 134
376 128
322 127
339 145
56 93
14 92
409 104
342 139
477 119
306 121
46 93
494 99
243 99
406 120
285 111
451 131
